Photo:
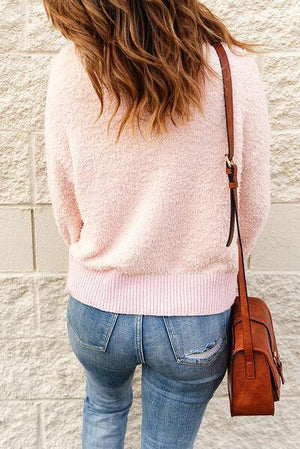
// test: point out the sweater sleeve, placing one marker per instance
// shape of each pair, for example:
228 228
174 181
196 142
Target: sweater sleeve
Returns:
254 191
58 158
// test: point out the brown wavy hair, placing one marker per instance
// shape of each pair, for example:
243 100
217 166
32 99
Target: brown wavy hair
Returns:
149 53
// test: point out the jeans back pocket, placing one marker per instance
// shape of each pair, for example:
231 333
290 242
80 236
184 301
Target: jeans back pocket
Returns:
90 326
198 339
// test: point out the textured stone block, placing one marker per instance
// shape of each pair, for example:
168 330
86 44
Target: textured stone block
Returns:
39 368
281 293
18 318
40 33
19 425
289 350
62 422
281 78
259 21
278 247
51 251
15 186
41 181
220 430
12 24
285 167
15 240
23 83
52 302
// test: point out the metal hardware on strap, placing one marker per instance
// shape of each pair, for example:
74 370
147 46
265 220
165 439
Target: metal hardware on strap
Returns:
228 161
231 171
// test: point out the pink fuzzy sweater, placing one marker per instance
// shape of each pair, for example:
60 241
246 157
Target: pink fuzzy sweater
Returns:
146 222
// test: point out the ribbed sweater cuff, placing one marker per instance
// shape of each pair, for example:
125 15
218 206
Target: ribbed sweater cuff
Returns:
152 294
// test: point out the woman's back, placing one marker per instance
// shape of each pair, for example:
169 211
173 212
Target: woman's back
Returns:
156 210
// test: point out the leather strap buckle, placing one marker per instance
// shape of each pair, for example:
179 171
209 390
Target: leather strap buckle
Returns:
230 163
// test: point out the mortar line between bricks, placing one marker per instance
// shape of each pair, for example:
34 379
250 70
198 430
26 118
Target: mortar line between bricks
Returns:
32 141
81 398
281 53
35 337
33 240
20 205
286 131
43 274
275 52
285 202
62 338
33 274
36 205
42 400
35 52
12 131
293 129
33 196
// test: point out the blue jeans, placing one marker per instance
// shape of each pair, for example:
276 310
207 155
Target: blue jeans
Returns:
183 358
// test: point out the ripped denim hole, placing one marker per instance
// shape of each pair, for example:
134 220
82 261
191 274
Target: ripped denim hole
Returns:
202 353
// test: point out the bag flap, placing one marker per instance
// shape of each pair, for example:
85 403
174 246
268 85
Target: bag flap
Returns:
260 313
273 369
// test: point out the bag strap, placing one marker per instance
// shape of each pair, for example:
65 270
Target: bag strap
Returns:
231 171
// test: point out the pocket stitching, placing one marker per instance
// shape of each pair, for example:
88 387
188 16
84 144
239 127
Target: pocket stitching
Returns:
169 332
110 329
84 345
107 338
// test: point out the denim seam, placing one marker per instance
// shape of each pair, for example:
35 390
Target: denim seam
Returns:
136 340
169 332
140 337
110 329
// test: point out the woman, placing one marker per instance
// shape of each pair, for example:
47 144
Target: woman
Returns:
135 137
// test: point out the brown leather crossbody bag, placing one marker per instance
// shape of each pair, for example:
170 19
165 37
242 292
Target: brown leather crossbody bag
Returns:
254 367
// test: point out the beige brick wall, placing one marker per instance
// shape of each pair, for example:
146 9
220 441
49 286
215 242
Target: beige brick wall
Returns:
42 384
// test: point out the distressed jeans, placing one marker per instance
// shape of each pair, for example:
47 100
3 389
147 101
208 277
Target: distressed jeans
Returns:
183 358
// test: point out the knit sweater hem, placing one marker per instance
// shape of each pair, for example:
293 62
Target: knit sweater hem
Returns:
152 294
